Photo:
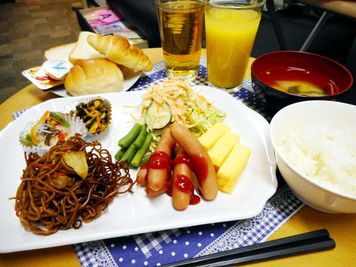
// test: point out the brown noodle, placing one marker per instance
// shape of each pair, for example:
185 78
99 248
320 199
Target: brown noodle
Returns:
53 197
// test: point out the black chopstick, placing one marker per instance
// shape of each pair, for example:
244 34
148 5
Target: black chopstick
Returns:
288 246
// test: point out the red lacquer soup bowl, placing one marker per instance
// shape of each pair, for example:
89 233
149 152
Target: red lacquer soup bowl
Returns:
285 77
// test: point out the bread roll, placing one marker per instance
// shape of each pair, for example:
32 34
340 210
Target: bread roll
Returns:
59 52
128 73
82 50
93 76
118 49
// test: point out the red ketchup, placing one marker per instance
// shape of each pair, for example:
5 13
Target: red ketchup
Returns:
160 160
183 183
181 160
194 199
200 167
145 165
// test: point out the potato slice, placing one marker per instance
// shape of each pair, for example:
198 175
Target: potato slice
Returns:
78 162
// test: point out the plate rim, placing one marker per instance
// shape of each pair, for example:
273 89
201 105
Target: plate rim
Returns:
59 90
86 238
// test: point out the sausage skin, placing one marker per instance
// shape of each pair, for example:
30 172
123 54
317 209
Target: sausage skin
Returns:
157 176
182 187
201 163
141 177
152 194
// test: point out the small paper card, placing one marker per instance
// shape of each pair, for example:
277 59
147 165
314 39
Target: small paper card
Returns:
39 78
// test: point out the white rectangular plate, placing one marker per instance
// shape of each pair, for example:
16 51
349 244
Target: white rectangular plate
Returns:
135 213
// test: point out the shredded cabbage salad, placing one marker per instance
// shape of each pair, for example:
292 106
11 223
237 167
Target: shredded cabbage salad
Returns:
187 107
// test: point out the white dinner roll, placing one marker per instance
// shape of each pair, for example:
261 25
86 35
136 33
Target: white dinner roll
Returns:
83 50
94 76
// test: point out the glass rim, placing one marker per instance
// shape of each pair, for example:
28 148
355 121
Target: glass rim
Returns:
158 2
163 1
225 4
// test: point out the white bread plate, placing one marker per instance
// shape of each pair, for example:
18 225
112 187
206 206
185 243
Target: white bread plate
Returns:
65 52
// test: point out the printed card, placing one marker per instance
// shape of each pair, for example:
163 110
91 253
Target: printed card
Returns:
39 78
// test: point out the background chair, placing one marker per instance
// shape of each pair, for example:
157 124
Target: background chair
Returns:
319 30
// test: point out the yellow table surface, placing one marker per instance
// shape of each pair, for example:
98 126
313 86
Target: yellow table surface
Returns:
342 228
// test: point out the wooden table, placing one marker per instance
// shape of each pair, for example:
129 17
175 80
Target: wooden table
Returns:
342 228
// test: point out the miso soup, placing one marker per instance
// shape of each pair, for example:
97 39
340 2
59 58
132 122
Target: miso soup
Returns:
299 81
299 88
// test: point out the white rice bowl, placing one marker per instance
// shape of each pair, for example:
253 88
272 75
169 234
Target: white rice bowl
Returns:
315 146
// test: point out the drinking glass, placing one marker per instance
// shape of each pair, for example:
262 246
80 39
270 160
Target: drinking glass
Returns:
181 30
230 28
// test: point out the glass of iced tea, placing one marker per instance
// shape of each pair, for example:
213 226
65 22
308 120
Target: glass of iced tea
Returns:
230 29
181 31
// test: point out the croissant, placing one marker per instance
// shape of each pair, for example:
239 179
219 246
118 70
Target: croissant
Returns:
118 50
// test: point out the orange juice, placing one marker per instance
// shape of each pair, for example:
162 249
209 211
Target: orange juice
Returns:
230 34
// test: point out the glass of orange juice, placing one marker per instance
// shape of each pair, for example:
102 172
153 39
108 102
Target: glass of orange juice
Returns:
230 29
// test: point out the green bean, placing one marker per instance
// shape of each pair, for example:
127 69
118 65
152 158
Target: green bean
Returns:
127 140
141 137
59 118
129 153
145 158
119 154
136 161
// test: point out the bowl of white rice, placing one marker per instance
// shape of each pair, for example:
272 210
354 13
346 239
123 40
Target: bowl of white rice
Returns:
315 146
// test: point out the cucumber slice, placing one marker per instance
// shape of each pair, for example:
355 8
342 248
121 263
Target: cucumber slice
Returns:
158 117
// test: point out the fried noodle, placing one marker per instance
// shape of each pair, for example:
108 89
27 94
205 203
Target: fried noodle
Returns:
53 197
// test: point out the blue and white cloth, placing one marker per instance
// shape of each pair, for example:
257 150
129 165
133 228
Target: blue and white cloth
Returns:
159 248
163 247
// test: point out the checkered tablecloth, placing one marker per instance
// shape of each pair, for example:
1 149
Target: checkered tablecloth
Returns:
159 248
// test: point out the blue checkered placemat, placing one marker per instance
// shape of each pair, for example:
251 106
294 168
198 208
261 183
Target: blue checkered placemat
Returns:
163 247
159 248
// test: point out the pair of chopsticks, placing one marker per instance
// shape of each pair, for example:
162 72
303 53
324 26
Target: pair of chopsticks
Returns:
298 244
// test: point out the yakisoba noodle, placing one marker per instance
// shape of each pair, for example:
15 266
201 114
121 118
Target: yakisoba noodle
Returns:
53 197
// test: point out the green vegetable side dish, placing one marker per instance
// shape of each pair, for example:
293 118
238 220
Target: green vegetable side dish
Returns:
26 140
134 146
129 153
137 159
141 137
146 157
59 118
119 154
126 141
95 113
158 117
